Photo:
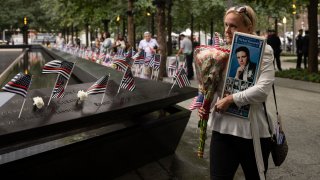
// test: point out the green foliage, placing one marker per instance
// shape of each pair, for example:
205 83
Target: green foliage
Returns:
58 14
299 75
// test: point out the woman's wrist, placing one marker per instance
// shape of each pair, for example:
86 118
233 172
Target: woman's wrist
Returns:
230 99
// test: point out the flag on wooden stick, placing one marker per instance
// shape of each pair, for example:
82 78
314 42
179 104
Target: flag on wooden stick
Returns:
181 78
18 85
61 67
58 90
127 81
99 86
197 102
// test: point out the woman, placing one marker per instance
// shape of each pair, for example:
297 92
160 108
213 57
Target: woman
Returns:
106 44
236 140
119 45
246 69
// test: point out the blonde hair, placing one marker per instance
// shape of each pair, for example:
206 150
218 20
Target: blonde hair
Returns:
247 13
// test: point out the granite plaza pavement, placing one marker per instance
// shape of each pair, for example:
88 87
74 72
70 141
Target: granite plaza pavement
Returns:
299 105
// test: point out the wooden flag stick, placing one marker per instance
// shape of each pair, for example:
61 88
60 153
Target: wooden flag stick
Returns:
53 89
105 90
22 108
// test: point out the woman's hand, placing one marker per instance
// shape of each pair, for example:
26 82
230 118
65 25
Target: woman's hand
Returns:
223 104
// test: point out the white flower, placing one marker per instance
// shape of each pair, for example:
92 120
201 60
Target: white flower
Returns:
82 95
38 101
98 61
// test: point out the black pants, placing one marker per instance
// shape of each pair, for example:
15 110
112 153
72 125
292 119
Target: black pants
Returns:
299 59
189 61
227 152
277 58
305 60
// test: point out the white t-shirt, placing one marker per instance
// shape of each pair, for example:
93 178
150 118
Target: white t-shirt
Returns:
186 45
147 46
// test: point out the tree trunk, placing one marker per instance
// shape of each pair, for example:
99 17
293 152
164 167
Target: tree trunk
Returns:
134 37
77 32
313 36
106 25
123 27
130 24
152 24
199 37
91 36
211 32
191 36
169 28
72 34
161 37
276 25
87 34
205 35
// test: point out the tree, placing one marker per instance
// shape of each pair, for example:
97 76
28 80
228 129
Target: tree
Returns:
313 34
161 35
169 28
131 38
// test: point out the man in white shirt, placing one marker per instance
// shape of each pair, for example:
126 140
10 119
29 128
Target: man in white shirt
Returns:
186 49
150 47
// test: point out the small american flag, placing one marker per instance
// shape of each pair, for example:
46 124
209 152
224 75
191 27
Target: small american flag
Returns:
127 81
157 60
181 78
139 57
51 66
19 84
121 65
58 91
101 56
107 59
197 102
151 61
129 54
61 67
99 86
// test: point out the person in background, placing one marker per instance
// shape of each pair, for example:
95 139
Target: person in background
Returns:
97 44
78 42
237 141
60 41
150 46
274 41
305 48
119 45
299 45
106 45
186 50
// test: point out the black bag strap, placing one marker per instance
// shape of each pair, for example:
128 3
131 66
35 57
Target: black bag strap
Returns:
265 108
275 99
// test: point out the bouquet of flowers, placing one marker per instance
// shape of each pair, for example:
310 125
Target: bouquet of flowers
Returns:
209 62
